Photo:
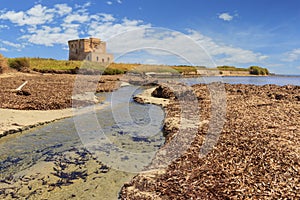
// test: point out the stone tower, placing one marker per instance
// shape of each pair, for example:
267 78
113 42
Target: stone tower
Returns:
92 49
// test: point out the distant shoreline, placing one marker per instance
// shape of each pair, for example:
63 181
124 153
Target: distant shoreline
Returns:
286 75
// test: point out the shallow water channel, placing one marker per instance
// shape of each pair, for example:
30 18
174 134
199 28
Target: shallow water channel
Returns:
124 136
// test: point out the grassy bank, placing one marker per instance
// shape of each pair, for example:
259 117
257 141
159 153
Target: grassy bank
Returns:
50 64
44 65
65 66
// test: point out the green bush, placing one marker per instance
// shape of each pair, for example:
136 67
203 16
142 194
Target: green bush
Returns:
110 71
256 70
20 64
231 68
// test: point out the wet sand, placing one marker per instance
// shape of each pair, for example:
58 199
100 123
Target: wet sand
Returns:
75 174
12 121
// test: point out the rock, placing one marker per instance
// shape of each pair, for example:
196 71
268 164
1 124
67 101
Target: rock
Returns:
23 93
279 96
163 92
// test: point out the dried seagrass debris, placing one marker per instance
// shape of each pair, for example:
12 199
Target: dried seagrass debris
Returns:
50 92
257 155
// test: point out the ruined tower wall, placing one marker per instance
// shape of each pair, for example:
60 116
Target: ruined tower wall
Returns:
98 57
92 49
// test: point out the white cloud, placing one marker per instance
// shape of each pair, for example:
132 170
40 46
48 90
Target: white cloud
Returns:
122 35
106 17
193 47
109 3
119 1
14 17
4 26
225 16
15 45
34 16
63 9
76 18
66 23
87 4
291 56
108 29
3 49
84 6
231 55
49 36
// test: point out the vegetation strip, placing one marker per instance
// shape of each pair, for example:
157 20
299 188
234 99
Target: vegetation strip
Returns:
44 65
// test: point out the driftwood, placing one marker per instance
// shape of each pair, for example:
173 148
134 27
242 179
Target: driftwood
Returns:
21 92
21 86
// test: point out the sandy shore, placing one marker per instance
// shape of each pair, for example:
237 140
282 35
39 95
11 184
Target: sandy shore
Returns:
147 98
12 121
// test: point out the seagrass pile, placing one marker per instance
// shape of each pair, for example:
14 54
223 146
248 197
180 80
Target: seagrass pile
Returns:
50 91
257 155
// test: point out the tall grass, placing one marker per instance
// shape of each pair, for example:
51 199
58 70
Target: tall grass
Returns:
3 64
51 64
20 64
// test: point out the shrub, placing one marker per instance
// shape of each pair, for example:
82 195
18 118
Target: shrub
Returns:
3 64
256 70
110 71
20 64
231 68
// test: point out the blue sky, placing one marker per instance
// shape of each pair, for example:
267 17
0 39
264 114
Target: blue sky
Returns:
200 32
